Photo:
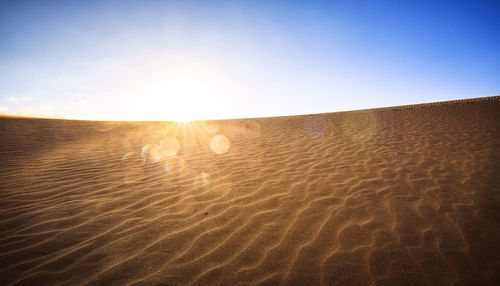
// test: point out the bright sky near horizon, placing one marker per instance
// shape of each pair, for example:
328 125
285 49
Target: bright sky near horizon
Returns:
180 60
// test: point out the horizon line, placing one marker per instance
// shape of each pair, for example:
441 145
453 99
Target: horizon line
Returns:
403 106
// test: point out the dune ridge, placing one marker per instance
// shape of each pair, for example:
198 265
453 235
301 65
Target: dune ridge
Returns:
393 196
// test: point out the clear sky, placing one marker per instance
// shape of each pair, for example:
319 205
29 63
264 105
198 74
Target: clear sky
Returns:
143 60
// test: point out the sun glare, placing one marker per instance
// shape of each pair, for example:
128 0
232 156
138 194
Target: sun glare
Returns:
182 98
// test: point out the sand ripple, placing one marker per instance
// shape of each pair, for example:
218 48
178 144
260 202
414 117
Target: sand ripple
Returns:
395 196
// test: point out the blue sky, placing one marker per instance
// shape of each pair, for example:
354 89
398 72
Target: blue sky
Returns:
143 60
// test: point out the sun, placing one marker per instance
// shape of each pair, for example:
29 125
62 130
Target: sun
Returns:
182 98
184 120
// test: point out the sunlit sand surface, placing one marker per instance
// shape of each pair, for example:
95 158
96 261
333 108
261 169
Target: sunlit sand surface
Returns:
394 196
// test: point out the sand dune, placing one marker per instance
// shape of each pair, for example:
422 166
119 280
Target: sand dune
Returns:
393 196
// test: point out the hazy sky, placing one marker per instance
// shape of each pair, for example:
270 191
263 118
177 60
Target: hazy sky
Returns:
226 59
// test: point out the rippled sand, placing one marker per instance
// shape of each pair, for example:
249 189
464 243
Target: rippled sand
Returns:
394 196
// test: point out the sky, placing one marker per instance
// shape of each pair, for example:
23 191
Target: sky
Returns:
184 60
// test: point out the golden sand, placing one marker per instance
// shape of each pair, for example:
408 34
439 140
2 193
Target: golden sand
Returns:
393 196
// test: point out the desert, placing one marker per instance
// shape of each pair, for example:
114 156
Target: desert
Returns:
405 195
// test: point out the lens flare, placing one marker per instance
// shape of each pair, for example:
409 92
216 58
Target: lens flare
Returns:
220 144
170 146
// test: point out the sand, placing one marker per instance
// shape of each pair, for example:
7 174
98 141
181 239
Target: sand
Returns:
393 196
